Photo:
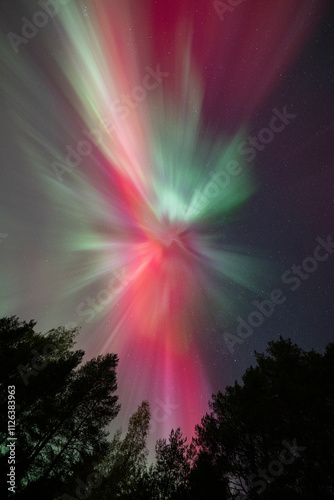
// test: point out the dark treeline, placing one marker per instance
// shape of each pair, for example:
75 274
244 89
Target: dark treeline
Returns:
271 437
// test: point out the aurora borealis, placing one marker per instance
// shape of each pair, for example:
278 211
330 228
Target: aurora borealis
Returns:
147 143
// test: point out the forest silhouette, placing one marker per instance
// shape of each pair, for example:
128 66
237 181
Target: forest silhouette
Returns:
270 436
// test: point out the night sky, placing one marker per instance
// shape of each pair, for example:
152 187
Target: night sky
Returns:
167 184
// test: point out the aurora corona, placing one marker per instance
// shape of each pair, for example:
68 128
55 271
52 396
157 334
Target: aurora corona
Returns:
143 192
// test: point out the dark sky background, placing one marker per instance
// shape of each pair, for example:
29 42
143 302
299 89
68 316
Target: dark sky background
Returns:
257 59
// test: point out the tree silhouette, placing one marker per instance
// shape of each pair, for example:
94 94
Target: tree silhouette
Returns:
62 408
273 436
270 437
172 465
124 463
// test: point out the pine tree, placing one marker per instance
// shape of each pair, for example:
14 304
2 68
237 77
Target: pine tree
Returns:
125 462
62 407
